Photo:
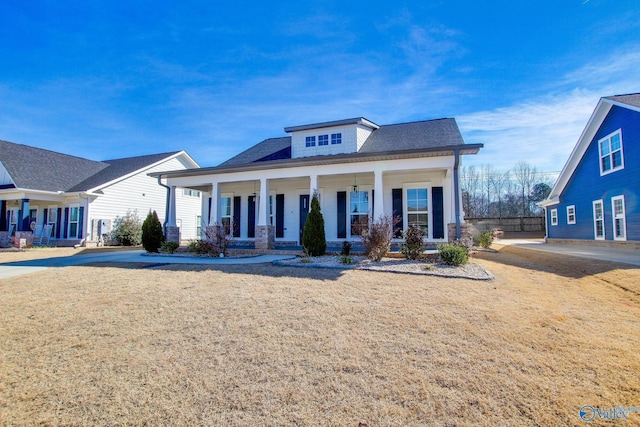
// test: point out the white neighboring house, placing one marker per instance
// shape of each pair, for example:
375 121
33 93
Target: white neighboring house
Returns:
359 169
69 200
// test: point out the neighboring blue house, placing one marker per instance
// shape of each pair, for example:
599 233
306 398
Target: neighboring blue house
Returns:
597 195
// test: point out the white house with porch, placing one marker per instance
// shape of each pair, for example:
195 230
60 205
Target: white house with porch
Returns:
64 200
359 169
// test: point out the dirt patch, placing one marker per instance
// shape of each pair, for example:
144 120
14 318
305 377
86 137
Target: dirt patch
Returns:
266 345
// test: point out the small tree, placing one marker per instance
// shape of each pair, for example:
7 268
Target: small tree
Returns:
152 236
313 239
128 229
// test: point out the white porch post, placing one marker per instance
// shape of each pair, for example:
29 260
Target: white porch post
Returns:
214 215
265 233
171 215
378 202
313 186
264 202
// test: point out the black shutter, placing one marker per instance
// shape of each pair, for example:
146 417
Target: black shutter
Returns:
236 216
342 214
251 217
45 217
80 221
208 213
65 230
396 195
279 215
373 203
438 212
58 223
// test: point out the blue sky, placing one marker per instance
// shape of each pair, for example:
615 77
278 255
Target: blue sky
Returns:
108 79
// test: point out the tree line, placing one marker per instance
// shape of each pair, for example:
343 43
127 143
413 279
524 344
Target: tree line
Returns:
490 193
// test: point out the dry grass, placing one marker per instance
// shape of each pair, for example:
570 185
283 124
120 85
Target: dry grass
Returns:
265 345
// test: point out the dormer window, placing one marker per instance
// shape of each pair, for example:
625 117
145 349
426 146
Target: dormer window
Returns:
611 157
336 138
323 140
310 141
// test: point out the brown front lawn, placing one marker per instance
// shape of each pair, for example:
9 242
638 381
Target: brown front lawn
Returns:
267 345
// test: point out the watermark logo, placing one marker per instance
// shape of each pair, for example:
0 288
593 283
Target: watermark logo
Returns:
589 413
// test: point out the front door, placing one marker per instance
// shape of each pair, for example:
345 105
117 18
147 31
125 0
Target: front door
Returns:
304 211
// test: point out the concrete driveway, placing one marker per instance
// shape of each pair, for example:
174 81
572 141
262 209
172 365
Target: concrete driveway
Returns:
627 256
137 256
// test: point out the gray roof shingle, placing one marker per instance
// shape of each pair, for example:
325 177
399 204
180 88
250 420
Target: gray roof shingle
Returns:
413 136
632 99
117 168
426 134
39 169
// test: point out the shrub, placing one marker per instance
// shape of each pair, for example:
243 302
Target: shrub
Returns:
200 247
346 248
413 245
452 254
377 239
127 230
217 236
486 239
216 242
313 238
346 259
169 247
152 236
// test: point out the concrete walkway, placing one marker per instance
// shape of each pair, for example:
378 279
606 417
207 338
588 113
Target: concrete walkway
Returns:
25 267
627 256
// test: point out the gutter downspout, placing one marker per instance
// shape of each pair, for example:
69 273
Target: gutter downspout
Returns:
166 208
456 189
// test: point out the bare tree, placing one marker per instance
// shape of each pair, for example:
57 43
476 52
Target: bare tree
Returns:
525 177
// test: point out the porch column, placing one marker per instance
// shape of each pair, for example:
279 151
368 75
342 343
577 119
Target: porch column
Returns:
172 231
171 215
23 223
313 186
265 232
378 202
214 214
3 216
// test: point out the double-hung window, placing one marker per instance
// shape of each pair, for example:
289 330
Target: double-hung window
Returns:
323 140
598 220
619 220
226 213
74 216
336 138
52 219
571 214
554 216
418 208
359 212
199 226
611 155
310 141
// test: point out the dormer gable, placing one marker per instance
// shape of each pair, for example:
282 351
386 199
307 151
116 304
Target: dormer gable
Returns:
328 138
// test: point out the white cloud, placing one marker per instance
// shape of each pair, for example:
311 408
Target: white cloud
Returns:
544 130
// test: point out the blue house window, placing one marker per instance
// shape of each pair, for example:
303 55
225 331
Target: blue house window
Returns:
554 216
336 138
323 140
571 214
611 156
310 141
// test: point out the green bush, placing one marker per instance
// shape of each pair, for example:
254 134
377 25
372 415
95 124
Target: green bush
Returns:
346 259
313 239
452 254
169 247
413 245
200 247
485 239
152 236
127 230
